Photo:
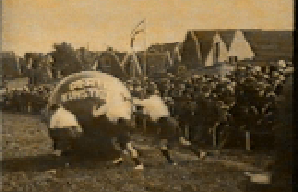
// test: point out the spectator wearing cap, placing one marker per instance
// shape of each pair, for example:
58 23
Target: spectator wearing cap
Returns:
14 100
24 100
171 104
193 123
179 113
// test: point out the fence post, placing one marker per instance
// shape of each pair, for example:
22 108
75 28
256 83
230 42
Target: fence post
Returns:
215 136
143 94
186 131
247 136
133 119
29 107
144 124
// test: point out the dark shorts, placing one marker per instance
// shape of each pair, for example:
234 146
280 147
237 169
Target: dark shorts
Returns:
64 138
167 129
123 139
64 133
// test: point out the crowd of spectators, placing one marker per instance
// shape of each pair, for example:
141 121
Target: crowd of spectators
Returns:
203 104
244 100
29 99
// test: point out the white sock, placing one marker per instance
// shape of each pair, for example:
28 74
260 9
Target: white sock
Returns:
118 160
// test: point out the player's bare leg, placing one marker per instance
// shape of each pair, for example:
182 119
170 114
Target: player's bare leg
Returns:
135 156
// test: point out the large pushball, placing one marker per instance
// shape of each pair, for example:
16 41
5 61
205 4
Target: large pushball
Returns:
80 93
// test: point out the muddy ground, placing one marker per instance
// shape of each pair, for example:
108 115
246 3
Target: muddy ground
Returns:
28 164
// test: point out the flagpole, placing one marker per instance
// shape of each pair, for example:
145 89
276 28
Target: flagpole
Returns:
134 32
145 53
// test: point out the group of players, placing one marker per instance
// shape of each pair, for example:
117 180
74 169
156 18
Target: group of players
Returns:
243 99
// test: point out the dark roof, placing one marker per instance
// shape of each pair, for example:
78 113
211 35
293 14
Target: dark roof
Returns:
34 55
152 58
120 55
7 54
206 40
163 47
270 45
267 45
227 36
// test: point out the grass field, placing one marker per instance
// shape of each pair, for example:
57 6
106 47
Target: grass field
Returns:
29 165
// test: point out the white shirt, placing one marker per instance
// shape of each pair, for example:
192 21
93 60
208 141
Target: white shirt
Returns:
63 118
115 110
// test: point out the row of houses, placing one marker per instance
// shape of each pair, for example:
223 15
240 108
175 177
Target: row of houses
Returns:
157 59
11 64
202 51
208 48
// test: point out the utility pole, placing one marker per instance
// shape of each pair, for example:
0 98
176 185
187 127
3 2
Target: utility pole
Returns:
145 72
145 61
133 66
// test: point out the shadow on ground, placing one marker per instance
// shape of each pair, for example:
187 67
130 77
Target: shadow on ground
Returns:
47 162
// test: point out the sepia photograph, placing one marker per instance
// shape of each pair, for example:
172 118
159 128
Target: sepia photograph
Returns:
147 95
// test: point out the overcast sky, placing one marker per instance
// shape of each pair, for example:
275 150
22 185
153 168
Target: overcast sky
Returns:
34 25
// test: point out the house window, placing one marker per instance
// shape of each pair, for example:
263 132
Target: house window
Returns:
30 63
35 64
107 65
63 73
200 51
216 52
53 71
181 69
233 59
265 69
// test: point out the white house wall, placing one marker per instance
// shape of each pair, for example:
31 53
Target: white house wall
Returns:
226 69
223 52
240 47
177 52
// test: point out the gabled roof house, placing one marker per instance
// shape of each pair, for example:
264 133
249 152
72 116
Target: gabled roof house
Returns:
211 47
